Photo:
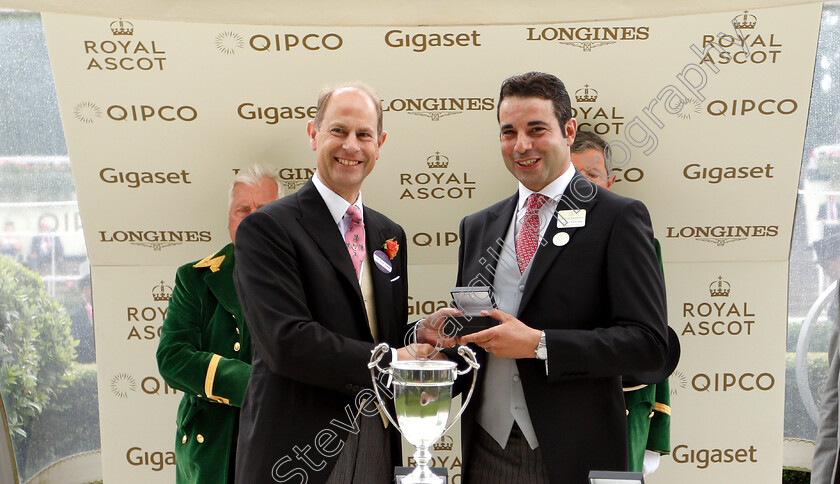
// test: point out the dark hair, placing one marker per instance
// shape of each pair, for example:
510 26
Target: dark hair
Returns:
541 85
361 87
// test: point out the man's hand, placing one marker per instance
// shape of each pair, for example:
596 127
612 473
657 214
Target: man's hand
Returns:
435 331
419 351
510 339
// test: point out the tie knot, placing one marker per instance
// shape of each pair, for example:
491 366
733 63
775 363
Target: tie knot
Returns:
354 214
535 202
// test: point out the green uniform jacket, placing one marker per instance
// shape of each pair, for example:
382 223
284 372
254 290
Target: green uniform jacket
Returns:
205 351
648 415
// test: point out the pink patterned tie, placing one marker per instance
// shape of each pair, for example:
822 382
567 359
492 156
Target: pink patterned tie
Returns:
354 239
528 237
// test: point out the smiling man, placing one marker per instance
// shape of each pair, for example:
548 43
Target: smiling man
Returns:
580 297
317 305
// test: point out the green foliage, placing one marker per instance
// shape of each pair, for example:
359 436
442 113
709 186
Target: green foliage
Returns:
71 422
795 477
36 347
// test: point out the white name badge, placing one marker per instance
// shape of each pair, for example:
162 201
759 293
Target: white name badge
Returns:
571 218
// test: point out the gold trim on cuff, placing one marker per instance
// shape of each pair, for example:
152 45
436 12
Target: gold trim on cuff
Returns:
211 376
661 407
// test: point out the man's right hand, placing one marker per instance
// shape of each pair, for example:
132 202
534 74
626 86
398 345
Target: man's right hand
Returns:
419 351
434 331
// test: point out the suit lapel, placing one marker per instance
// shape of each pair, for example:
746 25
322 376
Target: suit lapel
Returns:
375 235
317 221
548 251
492 240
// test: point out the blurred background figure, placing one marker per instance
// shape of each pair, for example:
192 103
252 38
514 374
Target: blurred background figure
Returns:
46 252
10 243
82 320
829 215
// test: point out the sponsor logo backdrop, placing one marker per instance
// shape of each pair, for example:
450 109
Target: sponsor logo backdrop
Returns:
705 114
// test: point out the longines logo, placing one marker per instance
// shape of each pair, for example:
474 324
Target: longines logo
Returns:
88 112
436 183
274 114
595 118
124 385
146 321
717 174
291 178
745 46
437 108
587 38
228 42
718 315
721 235
704 458
420 42
155 239
121 52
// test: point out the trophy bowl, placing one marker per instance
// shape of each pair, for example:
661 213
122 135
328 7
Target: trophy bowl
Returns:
422 394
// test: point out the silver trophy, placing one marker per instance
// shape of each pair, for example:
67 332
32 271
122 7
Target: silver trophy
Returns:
422 393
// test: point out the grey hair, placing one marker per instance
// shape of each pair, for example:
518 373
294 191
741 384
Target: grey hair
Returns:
587 139
252 176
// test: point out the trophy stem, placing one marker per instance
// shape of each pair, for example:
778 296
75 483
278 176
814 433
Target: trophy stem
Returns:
422 474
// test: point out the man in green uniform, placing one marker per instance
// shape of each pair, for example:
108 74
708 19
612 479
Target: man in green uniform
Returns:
648 406
205 346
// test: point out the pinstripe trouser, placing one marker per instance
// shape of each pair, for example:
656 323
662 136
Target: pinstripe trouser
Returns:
366 457
517 463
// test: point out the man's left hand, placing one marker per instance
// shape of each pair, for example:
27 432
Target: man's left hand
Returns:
510 339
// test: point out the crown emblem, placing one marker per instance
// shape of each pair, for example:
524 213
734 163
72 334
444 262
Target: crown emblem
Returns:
719 288
586 95
162 292
122 27
746 21
437 160
445 443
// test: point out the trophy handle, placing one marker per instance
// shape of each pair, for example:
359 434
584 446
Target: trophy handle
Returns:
376 356
468 355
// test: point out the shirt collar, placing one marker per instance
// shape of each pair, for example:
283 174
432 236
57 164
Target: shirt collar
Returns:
553 190
336 204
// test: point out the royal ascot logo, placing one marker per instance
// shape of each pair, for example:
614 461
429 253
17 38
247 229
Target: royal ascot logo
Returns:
742 47
121 52
720 235
87 112
228 42
593 116
718 174
154 239
438 182
437 108
146 321
445 444
718 315
122 384
274 114
421 42
587 38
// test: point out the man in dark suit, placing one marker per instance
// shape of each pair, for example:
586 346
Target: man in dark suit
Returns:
581 302
321 280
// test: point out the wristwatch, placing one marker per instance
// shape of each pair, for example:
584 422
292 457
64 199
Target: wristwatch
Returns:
541 352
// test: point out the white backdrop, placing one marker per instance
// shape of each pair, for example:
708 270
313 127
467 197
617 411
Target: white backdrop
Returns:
709 111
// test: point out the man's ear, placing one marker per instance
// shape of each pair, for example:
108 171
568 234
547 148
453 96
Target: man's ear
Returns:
312 131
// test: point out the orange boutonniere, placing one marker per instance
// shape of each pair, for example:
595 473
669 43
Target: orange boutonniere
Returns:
391 247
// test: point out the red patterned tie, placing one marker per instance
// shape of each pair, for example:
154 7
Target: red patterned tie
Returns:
354 238
529 234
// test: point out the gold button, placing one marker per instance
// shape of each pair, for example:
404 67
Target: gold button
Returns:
651 415
237 330
628 412
184 439
236 346
199 396
199 438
